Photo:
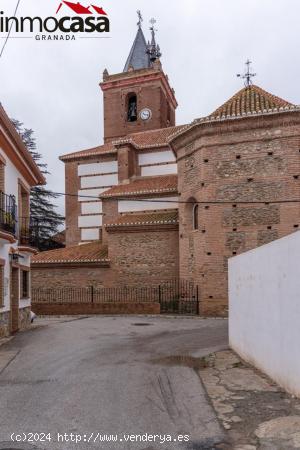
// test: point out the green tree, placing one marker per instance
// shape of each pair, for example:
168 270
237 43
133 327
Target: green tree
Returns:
45 220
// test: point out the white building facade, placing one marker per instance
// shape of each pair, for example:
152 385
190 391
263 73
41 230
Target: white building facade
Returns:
18 174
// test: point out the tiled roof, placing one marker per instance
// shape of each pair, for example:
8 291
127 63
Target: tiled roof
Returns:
153 218
141 140
151 138
85 253
145 185
250 99
95 151
10 130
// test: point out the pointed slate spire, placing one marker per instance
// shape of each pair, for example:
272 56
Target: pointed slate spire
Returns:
138 57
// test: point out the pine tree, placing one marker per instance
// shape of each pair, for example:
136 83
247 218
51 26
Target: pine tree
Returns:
45 220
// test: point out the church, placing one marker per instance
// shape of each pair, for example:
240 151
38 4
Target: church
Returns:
159 201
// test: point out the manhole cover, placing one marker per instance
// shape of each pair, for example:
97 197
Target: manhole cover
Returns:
142 324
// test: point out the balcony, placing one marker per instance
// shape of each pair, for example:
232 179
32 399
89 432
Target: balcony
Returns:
35 232
29 232
8 213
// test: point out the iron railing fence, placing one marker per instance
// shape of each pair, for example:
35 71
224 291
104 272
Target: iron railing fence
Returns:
36 232
175 296
8 213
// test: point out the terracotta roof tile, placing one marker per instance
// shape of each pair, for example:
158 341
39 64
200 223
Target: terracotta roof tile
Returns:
141 140
95 151
146 185
153 218
85 253
151 138
250 99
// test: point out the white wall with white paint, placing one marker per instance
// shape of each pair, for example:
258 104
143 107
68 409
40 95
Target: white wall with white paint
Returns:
98 168
156 157
157 204
85 195
99 181
91 208
162 169
95 178
90 234
264 309
90 221
12 177
157 163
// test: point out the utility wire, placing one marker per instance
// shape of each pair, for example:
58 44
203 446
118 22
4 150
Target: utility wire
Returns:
9 31
165 200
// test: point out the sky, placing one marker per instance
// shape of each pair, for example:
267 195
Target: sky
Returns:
53 87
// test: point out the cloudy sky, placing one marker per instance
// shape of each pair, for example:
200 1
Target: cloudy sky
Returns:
53 87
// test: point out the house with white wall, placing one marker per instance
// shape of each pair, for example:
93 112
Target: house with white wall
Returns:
18 174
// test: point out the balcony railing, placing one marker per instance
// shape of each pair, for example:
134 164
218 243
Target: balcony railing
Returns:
29 232
35 232
8 213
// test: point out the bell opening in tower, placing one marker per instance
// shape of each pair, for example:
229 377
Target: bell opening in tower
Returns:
132 108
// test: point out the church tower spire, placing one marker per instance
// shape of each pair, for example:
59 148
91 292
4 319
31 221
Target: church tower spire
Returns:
140 98
138 57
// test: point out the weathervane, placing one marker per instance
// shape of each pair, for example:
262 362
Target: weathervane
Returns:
247 75
152 21
153 48
139 24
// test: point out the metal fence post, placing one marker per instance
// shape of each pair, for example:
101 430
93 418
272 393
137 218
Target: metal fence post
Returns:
92 294
198 300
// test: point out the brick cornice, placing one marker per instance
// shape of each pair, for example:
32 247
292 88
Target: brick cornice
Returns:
8 237
124 81
27 249
208 127
69 264
139 228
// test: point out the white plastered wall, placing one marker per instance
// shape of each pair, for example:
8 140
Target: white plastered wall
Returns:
95 178
12 175
264 309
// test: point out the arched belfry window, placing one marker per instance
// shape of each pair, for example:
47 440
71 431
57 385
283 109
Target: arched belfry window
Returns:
132 108
196 217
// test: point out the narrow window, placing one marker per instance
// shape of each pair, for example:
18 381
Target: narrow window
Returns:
132 108
25 284
195 217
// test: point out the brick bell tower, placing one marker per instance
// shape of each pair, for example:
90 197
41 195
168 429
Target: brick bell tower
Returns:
140 98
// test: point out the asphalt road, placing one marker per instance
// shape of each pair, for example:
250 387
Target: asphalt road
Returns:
130 377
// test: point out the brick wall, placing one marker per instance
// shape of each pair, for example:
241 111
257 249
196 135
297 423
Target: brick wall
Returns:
67 276
143 257
250 160
72 186
150 94
88 308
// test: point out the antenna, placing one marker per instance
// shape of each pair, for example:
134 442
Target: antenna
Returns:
247 76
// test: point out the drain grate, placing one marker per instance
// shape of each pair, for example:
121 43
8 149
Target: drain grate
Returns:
141 324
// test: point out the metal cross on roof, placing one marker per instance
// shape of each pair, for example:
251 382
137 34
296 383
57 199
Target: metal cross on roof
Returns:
247 76
139 24
152 21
